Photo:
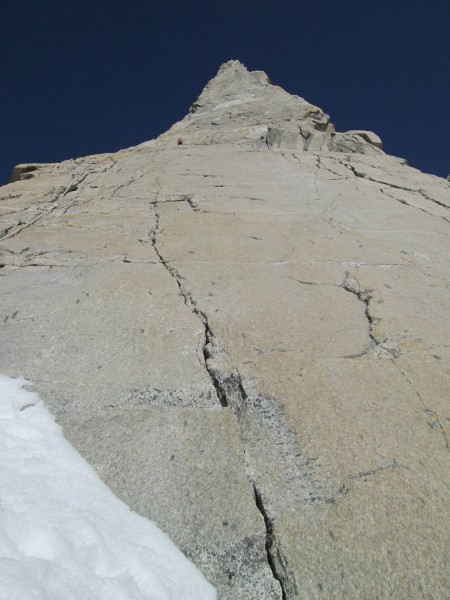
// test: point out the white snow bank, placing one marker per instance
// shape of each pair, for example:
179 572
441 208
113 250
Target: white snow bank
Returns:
63 533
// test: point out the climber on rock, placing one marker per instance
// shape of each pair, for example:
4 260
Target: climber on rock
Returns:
180 141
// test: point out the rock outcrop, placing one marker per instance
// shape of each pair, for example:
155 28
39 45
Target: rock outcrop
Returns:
247 336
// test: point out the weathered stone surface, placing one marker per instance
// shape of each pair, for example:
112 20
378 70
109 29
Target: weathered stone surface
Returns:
247 336
353 142
369 136
25 171
213 521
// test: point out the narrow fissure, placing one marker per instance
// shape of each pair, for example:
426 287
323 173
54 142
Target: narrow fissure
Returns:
402 201
190 303
230 391
209 340
269 541
350 284
399 187
73 185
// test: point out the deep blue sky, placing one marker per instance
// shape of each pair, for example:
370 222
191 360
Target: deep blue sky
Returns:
87 76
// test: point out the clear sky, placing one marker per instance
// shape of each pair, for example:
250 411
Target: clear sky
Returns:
88 76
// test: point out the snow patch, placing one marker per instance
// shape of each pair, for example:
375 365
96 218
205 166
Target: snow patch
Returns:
63 533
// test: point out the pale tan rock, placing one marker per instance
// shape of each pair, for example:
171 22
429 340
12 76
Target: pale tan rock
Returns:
355 143
247 336
369 136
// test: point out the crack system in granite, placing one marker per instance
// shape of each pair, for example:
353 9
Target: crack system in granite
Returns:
227 389
417 190
270 541
73 186
191 304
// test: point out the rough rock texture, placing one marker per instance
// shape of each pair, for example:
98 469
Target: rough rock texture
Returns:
248 337
369 136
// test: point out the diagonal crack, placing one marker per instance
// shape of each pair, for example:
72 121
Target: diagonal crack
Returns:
383 466
403 201
73 185
428 411
192 305
229 390
420 191
270 541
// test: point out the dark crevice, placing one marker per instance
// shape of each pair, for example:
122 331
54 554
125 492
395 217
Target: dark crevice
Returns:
420 191
209 343
187 199
191 203
209 339
269 541
427 197
306 282
229 390
121 186
370 319
365 297
73 185
232 388
350 284
402 201
321 165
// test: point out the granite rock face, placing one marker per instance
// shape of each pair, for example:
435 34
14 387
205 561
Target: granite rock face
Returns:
247 336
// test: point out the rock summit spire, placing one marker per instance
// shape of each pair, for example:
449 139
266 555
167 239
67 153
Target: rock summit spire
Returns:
242 106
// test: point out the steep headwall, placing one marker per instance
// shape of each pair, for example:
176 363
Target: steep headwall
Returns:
247 336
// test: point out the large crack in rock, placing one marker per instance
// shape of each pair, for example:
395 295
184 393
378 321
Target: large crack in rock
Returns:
270 543
189 302
401 186
229 389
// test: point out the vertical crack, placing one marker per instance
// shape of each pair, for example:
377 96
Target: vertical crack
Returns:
209 338
269 541
207 347
350 284
229 390
379 347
